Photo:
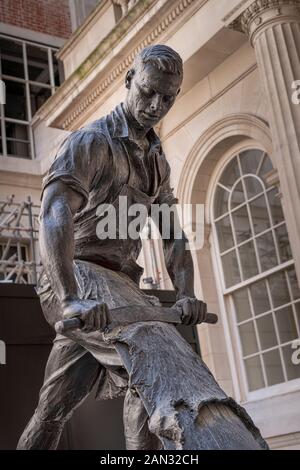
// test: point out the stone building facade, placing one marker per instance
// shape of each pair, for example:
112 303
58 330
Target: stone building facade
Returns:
233 143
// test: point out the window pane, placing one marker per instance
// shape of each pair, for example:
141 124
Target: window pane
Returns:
38 68
242 306
266 251
248 260
248 338
286 324
17 140
241 224
225 236
230 174
12 62
253 186
38 96
279 289
254 373
231 269
266 330
260 298
221 202
294 283
250 159
283 243
275 206
273 367
292 361
297 307
238 196
259 213
56 70
15 107
266 166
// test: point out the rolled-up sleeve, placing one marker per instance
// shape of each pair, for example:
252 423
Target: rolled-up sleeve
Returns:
75 161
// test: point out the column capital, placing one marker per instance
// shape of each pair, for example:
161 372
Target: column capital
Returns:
262 14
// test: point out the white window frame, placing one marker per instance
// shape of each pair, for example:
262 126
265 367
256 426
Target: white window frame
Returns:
232 336
27 82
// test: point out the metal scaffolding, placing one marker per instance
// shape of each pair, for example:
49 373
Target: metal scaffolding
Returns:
19 227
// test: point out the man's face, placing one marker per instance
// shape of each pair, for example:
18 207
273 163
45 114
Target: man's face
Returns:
151 94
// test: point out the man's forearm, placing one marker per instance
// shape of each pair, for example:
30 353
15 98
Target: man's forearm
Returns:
57 249
180 266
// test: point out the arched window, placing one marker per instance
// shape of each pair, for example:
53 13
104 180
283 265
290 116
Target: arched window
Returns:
258 274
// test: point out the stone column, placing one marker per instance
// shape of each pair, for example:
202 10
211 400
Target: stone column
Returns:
273 28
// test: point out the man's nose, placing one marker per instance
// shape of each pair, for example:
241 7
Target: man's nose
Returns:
156 102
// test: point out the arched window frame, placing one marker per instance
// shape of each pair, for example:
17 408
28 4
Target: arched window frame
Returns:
226 303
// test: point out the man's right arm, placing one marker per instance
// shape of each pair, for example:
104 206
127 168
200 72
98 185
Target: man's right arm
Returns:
59 204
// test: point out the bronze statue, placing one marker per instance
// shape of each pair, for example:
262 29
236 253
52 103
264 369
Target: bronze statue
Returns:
112 332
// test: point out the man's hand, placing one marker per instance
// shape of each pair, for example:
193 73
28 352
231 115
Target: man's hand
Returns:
193 310
94 315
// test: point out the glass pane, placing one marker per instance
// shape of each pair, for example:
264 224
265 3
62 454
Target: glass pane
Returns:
273 367
38 96
248 260
241 224
283 243
266 331
224 232
266 251
242 306
260 298
57 80
253 186
12 62
259 213
294 283
286 324
254 373
38 68
266 166
248 338
231 173
279 289
15 107
297 307
238 196
275 206
292 361
17 140
221 202
250 159
231 269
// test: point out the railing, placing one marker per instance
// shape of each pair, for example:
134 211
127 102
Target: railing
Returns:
19 229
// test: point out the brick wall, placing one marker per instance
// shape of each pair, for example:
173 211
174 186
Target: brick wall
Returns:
45 16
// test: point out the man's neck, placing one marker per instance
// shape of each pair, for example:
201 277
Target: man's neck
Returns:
137 132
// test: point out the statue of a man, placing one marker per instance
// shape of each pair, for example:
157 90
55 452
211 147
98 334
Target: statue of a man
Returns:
120 155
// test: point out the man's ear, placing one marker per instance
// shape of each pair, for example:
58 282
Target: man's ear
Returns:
128 78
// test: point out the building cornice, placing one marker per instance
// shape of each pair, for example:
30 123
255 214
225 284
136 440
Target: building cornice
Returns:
72 103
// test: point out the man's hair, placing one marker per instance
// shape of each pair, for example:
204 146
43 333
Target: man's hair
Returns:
162 57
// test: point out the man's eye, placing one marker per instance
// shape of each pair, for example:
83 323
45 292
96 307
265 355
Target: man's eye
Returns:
168 98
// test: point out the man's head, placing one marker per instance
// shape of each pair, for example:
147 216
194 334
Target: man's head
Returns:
153 84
